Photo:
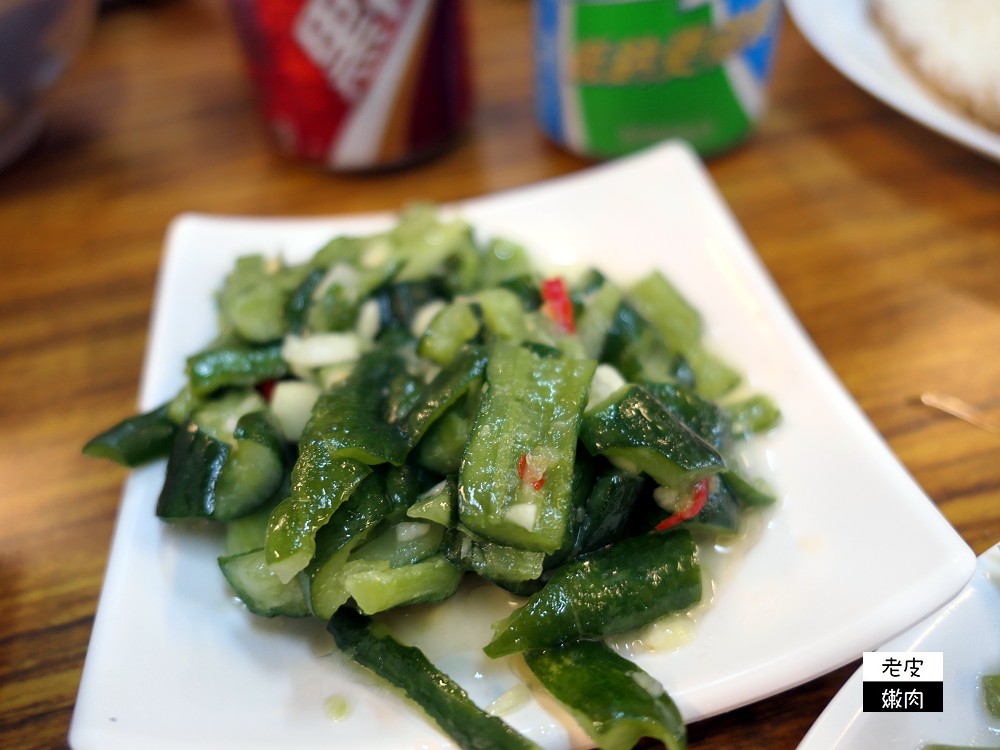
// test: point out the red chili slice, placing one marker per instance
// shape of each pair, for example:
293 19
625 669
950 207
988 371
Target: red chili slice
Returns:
557 303
266 389
699 495
537 481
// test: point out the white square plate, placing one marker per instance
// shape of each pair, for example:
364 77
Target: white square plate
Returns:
852 554
963 631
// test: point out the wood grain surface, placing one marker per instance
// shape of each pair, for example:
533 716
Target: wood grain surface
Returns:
884 238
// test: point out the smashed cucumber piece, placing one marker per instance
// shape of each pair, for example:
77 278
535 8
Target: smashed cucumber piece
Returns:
990 684
376 586
254 470
502 564
320 484
753 415
660 303
438 504
624 586
451 328
515 484
349 526
136 440
348 433
208 477
260 589
371 645
253 298
613 700
634 429
234 365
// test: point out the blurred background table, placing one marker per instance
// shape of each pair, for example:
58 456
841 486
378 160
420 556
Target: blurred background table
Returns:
884 237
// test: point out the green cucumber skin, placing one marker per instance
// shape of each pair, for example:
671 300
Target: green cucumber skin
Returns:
297 305
231 366
708 420
609 696
532 406
254 471
253 297
349 420
136 440
605 499
320 484
756 414
624 586
632 421
376 587
208 478
747 493
451 329
607 510
638 352
666 310
347 435
503 565
193 467
446 388
375 418
658 301
409 670
399 302
349 526
259 588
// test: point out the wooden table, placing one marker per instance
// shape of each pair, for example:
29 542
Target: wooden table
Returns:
884 237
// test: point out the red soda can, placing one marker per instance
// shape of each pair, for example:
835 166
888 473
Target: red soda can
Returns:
358 84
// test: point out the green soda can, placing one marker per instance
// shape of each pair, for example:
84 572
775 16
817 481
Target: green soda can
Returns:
615 76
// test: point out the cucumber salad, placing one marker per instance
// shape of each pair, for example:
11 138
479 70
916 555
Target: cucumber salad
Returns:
412 408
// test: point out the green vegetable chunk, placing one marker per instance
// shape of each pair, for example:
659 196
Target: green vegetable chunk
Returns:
634 428
320 484
495 562
237 365
614 701
193 468
136 440
659 302
349 526
353 420
639 352
208 477
453 326
259 588
408 669
253 299
254 470
710 421
990 684
665 308
515 485
752 415
380 412
606 510
377 587
748 493
450 384
623 586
